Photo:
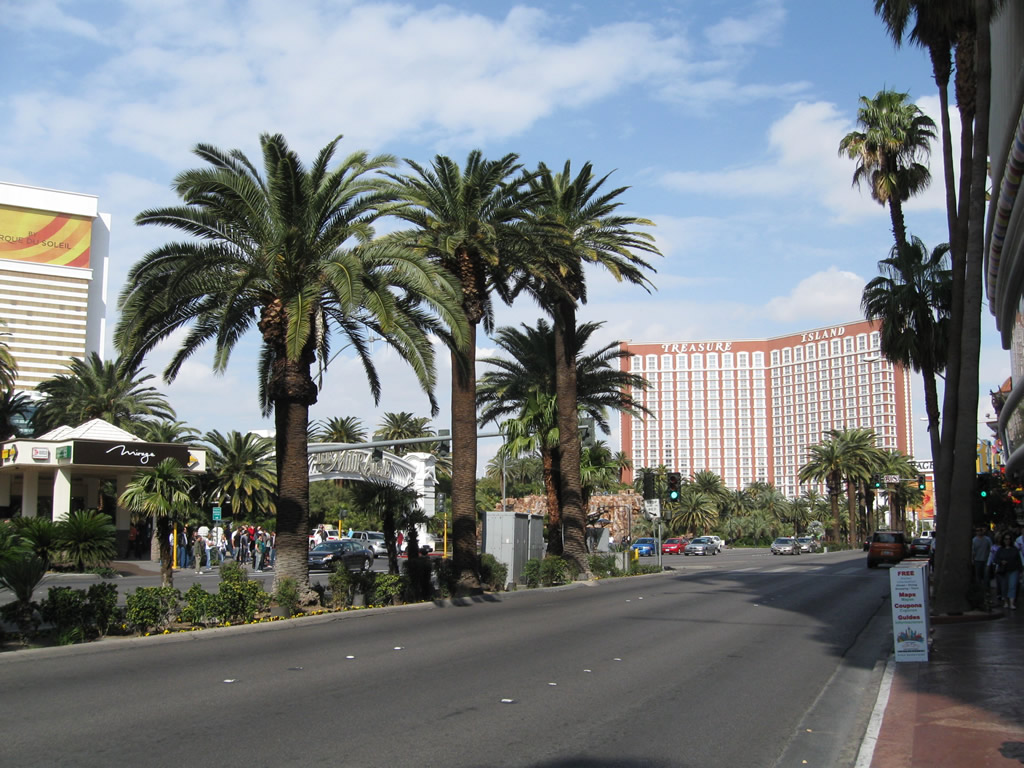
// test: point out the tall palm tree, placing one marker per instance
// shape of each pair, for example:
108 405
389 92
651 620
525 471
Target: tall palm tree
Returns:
521 395
575 224
288 252
112 390
826 464
8 365
341 429
861 459
464 220
896 135
241 471
166 493
711 484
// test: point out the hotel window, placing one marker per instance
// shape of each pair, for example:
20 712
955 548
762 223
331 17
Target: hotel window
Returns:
680 362
775 356
712 362
836 346
848 346
822 349
652 362
810 351
875 340
798 355
727 360
666 362
862 342
758 360
636 363
742 360
787 356
697 362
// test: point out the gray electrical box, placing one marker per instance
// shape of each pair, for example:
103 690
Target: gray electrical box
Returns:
513 538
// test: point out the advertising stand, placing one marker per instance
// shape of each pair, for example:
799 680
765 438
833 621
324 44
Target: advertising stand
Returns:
908 583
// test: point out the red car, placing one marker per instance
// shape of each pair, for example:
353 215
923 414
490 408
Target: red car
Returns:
673 546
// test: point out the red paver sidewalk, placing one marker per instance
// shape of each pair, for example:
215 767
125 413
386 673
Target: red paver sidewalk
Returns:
964 708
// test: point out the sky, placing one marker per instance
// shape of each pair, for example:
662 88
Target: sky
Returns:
722 117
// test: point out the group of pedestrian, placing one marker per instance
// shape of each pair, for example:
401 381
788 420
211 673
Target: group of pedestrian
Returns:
251 545
999 555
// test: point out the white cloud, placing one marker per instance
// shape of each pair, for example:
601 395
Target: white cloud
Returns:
824 297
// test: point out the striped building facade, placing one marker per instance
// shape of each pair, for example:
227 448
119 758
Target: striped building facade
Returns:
747 410
54 254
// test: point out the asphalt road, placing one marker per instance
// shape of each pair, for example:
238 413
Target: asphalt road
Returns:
738 660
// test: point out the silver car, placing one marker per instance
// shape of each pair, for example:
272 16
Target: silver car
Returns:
702 545
785 546
807 544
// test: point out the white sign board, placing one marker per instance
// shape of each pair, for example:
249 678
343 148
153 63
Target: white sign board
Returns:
908 585
652 508
892 478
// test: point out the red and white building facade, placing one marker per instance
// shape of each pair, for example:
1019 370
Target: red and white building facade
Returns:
747 410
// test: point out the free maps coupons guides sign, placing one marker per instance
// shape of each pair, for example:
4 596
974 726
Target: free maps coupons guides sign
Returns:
908 584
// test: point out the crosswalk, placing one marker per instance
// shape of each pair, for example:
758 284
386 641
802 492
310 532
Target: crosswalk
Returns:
768 569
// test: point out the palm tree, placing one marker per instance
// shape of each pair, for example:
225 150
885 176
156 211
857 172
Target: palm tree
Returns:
290 253
112 390
15 408
575 224
861 459
521 396
826 464
896 136
166 493
341 429
8 365
465 220
911 297
404 426
240 471
695 511
711 484
166 431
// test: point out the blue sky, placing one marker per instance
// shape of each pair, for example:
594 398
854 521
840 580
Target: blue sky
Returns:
723 117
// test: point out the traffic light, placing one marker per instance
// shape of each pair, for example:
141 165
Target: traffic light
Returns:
983 483
443 446
921 484
876 481
648 485
587 434
674 480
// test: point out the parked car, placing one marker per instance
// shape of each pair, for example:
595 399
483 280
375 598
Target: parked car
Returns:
920 547
702 545
673 546
785 545
645 547
807 543
886 547
719 542
332 554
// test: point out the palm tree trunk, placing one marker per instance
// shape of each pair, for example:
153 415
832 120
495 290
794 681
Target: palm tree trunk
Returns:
163 539
899 227
931 407
833 498
570 481
291 419
941 68
953 570
466 562
548 458
851 508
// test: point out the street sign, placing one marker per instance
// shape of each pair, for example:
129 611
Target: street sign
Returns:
892 478
652 508
216 513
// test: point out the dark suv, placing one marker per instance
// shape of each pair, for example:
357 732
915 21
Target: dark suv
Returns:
886 547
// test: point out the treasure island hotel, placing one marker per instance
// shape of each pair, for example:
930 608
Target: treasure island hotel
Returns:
748 410
53 279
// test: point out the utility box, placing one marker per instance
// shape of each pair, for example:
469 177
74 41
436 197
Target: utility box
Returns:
513 538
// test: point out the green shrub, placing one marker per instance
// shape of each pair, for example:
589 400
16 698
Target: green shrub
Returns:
102 603
65 609
604 566
389 588
39 534
493 574
554 570
419 573
531 573
446 575
287 595
240 601
22 575
87 538
151 608
199 607
636 569
233 571
341 588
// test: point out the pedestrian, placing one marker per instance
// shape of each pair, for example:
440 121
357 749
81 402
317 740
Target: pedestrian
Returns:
198 552
981 548
1007 562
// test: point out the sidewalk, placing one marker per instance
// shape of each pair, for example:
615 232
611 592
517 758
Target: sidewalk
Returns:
965 706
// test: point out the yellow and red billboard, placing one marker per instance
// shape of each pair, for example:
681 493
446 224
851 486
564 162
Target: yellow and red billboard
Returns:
43 237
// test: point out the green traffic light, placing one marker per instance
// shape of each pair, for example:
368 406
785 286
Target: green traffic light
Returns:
984 494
